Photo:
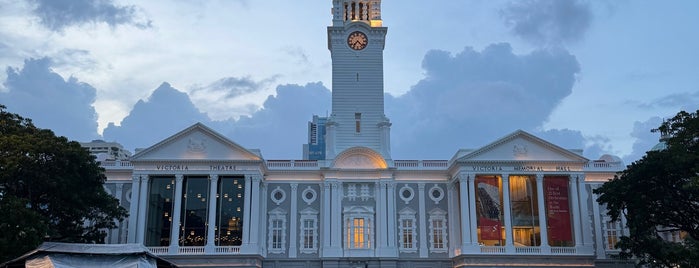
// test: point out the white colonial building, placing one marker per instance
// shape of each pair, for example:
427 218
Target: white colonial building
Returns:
200 199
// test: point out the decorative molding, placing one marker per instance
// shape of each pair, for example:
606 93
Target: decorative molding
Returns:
309 195
436 193
277 195
406 193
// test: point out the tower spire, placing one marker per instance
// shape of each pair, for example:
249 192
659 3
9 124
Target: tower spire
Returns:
348 11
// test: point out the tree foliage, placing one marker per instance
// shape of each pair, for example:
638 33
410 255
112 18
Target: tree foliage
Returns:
51 189
659 194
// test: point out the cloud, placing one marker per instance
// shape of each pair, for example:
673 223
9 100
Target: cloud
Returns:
471 98
684 101
59 14
278 127
548 21
645 139
65 106
166 112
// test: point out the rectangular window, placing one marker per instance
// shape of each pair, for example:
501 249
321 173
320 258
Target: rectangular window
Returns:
358 122
308 234
160 208
277 234
438 234
407 226
612 230
525 210
195 204
489 211
358 233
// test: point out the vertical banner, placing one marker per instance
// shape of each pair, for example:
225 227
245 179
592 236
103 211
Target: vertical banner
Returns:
558 209
489 210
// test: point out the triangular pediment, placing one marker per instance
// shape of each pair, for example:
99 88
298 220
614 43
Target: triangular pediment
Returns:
197 142
522 146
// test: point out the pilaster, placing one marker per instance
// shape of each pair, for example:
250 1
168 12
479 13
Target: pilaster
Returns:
293 250
423 222
247 228
472 214
465 213
600 250
575 202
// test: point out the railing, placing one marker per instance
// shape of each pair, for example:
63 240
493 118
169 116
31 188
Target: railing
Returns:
421 164
563 250
492 249
275 164
158 250
528 250
116 164
603 166
191 250
228 250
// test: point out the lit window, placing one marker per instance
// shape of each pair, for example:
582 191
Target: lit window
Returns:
612 230
358 222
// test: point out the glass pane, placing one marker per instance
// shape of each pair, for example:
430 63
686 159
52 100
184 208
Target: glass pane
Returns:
525 211
160 204
229 220
195 202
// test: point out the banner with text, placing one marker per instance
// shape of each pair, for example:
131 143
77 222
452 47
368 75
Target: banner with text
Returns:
558 209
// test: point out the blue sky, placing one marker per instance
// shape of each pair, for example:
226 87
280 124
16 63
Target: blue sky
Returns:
593 75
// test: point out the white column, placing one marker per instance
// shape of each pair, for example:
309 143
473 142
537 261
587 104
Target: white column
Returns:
600 250
575 200
325 216
292 222
466 227
336 221
143 201
381 236
507 207
392 229
543 226
472 208
212 213
254 210
246 211
132 221
585 212
176 215
263 218
454 221
423 221
114 233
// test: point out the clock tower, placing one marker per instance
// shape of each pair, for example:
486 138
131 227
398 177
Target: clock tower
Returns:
356 41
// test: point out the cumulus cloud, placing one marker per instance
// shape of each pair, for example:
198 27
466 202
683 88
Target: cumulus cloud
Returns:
548 21
278 128
471 98
65 106
59 14
166 112
231 95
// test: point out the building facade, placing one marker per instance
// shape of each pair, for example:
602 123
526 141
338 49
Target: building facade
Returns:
200 199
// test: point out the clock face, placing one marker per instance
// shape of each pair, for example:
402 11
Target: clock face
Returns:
357 40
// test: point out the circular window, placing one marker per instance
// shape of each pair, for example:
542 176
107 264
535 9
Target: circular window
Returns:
407 193
436 194
278 195
308 195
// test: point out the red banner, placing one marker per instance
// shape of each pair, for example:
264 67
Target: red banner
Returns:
558 208
489 210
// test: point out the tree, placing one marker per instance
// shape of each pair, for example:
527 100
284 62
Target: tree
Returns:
51 189
658 194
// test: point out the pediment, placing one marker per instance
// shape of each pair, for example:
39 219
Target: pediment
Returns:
522 146
358 210
197 142
359 158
